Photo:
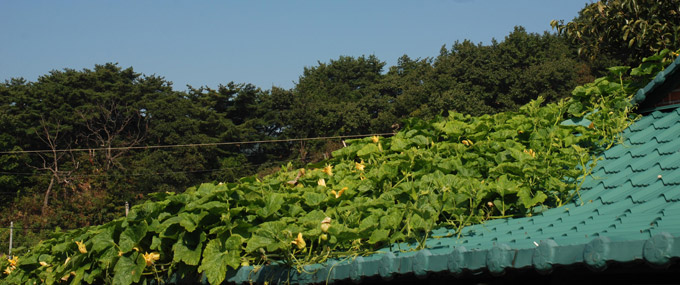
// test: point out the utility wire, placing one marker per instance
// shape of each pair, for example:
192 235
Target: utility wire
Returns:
193 145
119 175
129 174
39 228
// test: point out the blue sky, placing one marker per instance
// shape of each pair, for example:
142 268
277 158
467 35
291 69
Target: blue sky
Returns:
266 43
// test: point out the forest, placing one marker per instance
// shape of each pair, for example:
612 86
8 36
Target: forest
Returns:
77 145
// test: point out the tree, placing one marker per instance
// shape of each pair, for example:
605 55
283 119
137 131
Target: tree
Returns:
482 79
336 98
627 30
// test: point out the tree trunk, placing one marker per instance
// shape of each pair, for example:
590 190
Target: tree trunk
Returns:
47 197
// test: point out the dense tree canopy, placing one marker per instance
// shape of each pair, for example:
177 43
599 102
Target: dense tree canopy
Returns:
624 30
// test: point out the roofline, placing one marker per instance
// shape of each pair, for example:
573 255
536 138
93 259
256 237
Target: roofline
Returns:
662 83
657 251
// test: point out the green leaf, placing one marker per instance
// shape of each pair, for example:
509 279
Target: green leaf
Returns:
368 223
218 257
102 240
155 243
379 235
131 236
388 170
419 140
257 241
190 221
368 149
273 203
313 199
398 144
129 269
575 109
188 248
417 222
527 200
391 220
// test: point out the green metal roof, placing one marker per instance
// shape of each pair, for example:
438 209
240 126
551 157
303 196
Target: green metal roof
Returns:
629 211
663 82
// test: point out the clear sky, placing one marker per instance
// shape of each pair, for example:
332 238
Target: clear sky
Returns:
266 43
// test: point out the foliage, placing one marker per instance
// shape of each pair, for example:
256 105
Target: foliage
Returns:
480 79
103 111
449 172
627 30
351 95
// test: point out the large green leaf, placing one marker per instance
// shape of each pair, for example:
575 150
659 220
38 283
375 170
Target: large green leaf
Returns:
368 149
131 236
273 203
190 221
188 248
217 257
379 235
314 199
528 200
129 269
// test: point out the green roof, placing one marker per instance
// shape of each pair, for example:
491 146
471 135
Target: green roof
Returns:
627 212
663 82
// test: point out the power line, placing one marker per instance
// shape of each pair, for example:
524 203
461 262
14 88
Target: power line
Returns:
120 175
194 145
37 228
131 174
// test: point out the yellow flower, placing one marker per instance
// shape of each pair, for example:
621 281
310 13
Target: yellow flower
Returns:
328 170
339 193
530 152
8 270
42 263
81 247
13 261
151 257
322 182
467 142
299 241
360 165
375 139
325 224
67 260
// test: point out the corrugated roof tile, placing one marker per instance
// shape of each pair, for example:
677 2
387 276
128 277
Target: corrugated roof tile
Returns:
673 178
673 195
668 148
643 136
668 120
641 124
668 136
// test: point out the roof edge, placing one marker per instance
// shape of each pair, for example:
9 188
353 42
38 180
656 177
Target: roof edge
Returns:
658 251
645 96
